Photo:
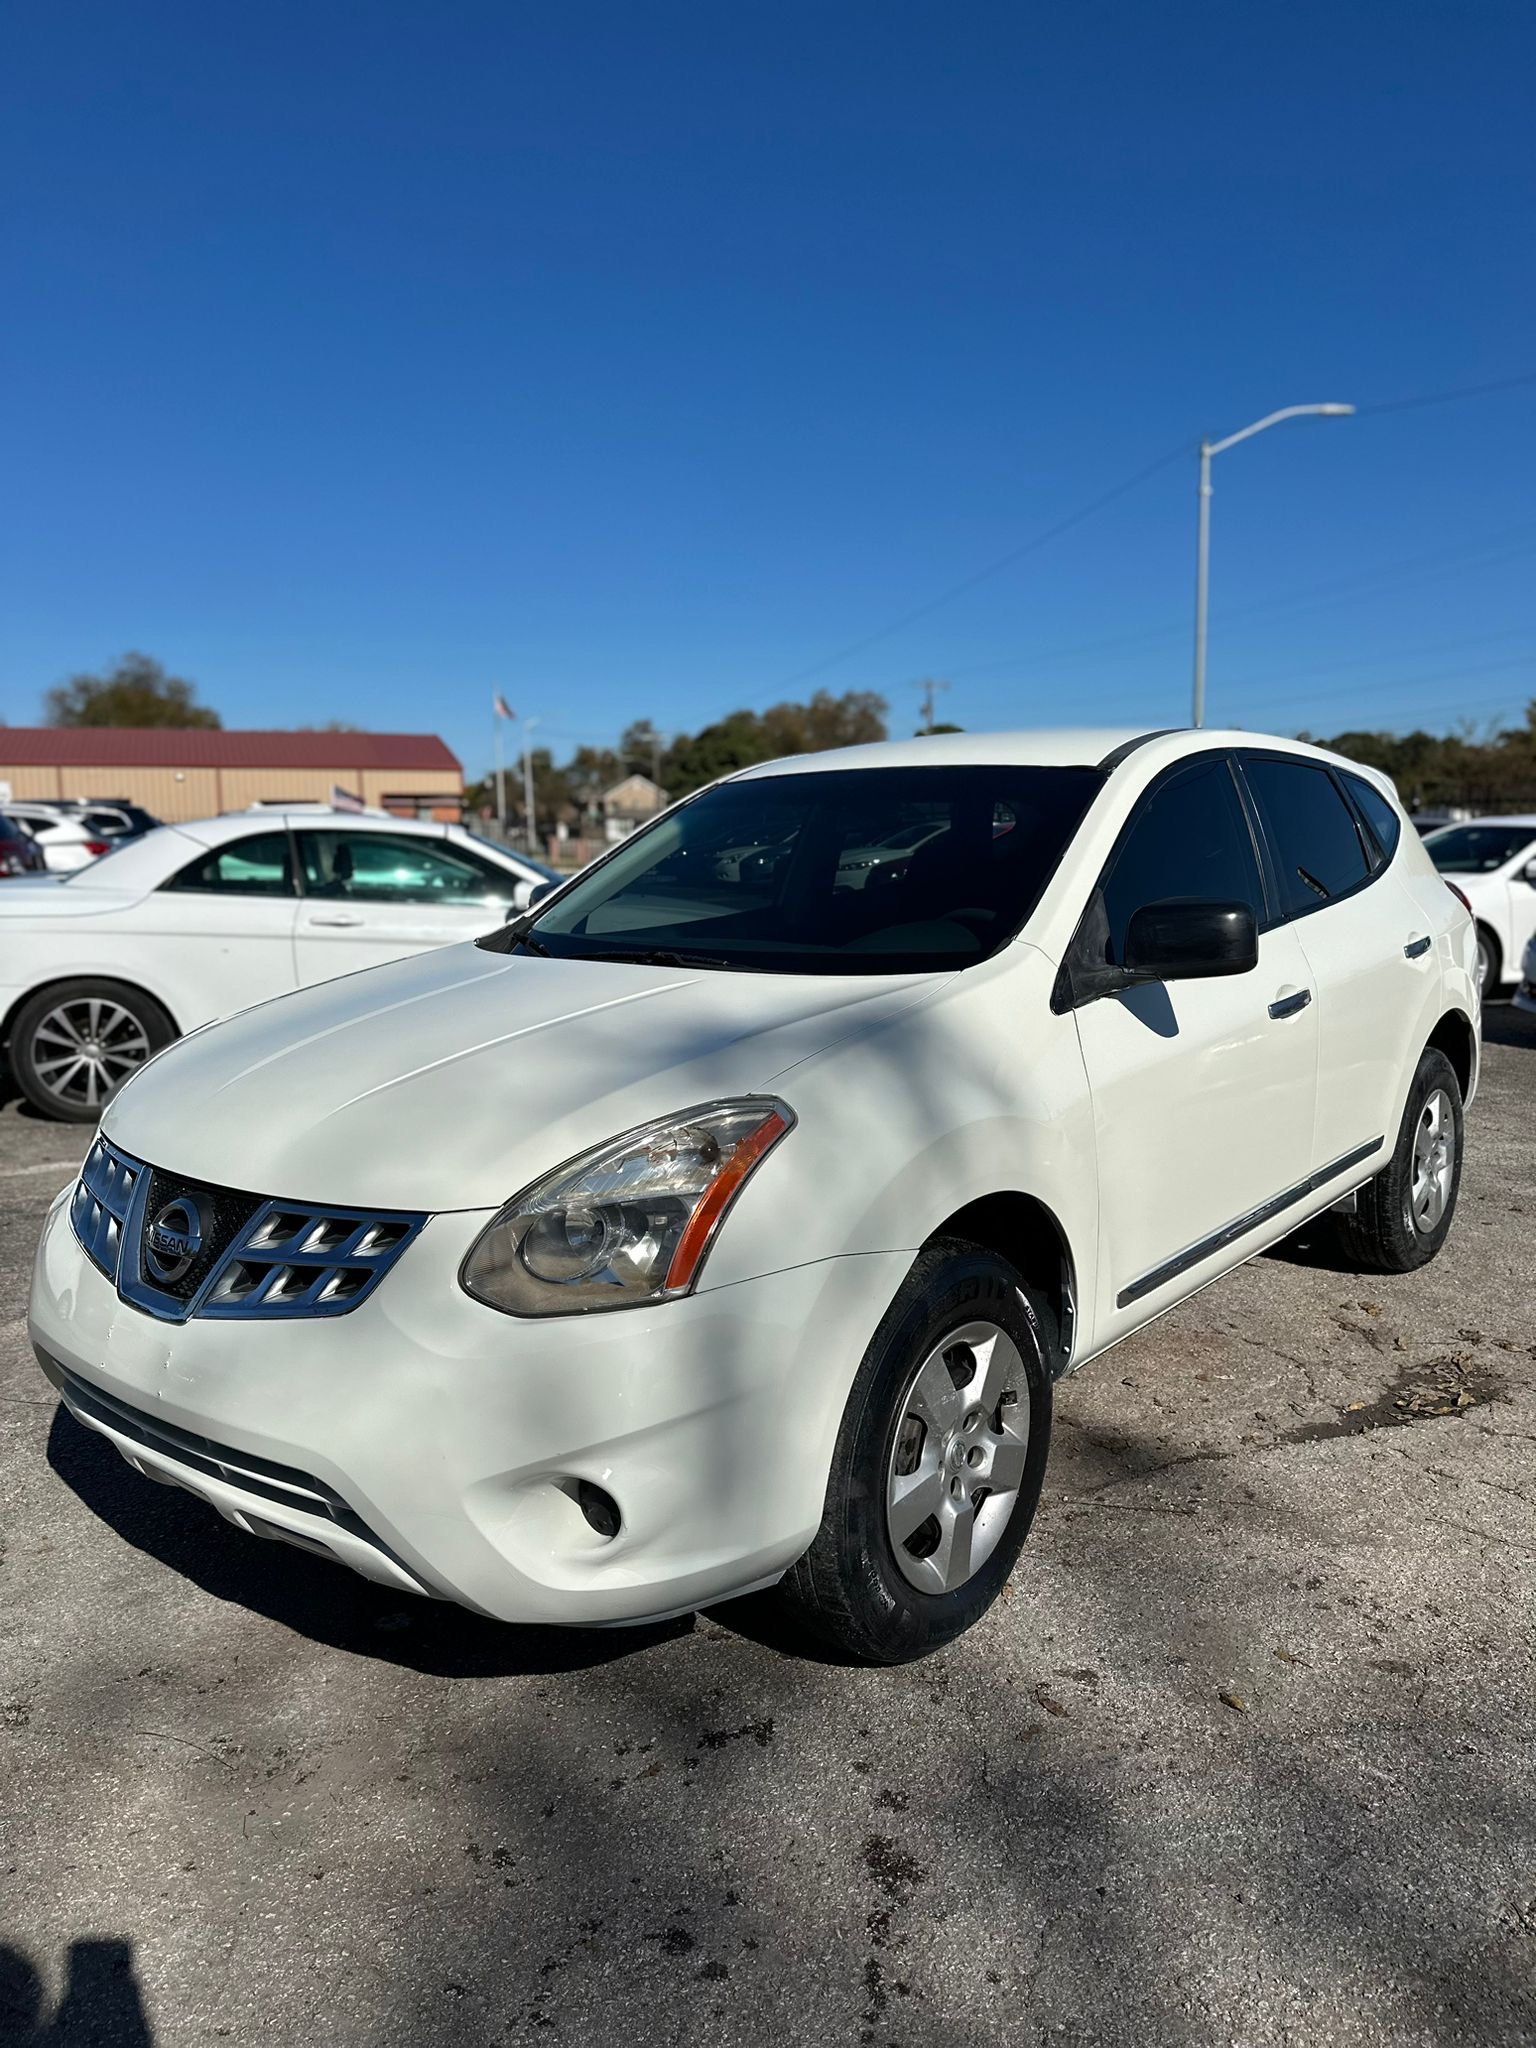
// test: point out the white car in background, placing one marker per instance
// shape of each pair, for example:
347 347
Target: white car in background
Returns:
62 834
1525 994
100 969
1493 863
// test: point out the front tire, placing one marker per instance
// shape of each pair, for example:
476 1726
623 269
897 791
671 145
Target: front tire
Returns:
938 1465
1404 1215
74 1045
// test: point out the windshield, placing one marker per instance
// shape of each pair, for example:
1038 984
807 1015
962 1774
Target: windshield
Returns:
833 871
1477 849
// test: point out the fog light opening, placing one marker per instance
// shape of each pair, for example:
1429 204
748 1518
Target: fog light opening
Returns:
600 1509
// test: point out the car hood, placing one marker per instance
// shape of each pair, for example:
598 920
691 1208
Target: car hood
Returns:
452 1079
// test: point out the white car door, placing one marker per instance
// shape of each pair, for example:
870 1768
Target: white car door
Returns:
1202 1090
374 896
220 930
1367 944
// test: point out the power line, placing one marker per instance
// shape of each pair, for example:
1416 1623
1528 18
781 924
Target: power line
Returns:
1415 568
1002 562
1446 397
1109 497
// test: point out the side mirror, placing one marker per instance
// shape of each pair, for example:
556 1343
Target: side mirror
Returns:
1528 873
1182 941
539 891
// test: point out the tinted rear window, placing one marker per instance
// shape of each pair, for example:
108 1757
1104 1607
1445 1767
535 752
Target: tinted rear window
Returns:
854 871
1311 829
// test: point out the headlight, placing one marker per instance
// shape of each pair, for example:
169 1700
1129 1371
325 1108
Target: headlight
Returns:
629 1222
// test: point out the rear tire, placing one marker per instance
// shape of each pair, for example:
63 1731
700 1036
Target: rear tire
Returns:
938 1465
75 1044
1404 1215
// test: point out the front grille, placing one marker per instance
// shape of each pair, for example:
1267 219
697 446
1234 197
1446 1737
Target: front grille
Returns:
178 1248
283 1485
225 1211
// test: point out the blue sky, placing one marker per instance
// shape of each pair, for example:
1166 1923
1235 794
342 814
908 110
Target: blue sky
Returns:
359 359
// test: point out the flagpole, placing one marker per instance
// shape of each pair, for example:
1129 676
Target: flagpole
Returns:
501 780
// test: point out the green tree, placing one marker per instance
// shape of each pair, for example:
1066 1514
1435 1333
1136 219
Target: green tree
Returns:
135 691
1433 770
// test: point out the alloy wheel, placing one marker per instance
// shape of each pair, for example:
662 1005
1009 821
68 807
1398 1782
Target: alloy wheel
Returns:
84 1049
1434 1162
957 1461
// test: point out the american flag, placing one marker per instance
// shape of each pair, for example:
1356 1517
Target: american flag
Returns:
501 707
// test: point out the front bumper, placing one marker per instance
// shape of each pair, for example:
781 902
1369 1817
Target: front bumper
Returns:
434 1444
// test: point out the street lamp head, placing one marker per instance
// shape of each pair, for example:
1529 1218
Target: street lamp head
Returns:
1336 412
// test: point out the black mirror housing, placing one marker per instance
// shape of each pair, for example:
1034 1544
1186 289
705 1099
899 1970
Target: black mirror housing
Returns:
1184 941
539 891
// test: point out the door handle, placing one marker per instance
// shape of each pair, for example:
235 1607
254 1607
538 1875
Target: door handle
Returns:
1415 948
333 917
1288 1006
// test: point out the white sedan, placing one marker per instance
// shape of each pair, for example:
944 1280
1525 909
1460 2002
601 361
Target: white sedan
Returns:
1493 863
101 968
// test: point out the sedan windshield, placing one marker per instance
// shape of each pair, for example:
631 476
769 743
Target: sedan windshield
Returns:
832 871
1477 849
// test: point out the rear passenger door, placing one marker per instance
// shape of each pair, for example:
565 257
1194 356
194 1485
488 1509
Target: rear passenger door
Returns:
1202 1090
1370 954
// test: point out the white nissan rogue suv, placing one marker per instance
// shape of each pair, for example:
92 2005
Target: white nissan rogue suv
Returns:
725 1222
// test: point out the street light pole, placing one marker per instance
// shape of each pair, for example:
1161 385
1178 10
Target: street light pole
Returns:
1203 543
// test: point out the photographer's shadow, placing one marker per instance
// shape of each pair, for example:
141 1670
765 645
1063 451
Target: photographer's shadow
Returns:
101 2001
312 1596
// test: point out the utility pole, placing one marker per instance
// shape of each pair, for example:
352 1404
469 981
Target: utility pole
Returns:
529 824
656 745
928 686
500 709
1203 539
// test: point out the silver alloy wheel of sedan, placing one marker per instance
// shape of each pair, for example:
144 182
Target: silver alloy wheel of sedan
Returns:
1434 1162
85 1048
958 1459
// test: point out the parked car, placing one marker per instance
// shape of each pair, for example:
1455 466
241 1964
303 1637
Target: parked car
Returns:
60 832
189 922
20 853
1525 994
655 1249
1494 863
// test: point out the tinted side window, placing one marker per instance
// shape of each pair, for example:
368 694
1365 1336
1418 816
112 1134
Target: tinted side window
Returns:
1317 846
258 866
378 867
1379 815
1189 840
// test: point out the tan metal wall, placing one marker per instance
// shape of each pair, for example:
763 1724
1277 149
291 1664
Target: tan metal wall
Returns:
178 794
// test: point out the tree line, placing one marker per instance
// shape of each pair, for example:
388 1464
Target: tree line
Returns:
1438 771
1432 771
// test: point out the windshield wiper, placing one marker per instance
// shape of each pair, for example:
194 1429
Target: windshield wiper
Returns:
662 956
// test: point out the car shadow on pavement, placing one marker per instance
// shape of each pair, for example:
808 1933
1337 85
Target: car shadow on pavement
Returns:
314 1598
101 2000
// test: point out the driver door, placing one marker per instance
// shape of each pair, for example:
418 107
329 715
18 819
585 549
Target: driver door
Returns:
1203 1091
376 896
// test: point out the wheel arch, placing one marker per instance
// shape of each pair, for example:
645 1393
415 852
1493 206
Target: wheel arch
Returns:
58 981
1455 1037
1020 1228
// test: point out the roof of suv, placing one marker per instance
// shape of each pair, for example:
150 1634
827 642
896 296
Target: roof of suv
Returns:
1102 747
